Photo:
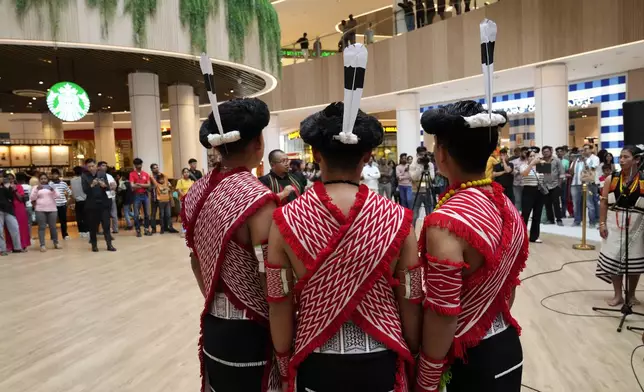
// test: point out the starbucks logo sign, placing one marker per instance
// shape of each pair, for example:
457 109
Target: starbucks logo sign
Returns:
67 101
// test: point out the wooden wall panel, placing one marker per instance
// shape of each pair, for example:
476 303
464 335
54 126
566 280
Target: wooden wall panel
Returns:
530 31
635 85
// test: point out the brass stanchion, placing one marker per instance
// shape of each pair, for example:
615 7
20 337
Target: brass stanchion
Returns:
583 245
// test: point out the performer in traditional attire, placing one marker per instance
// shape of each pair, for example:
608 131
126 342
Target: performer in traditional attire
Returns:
227 217
347 247
475 244
623 190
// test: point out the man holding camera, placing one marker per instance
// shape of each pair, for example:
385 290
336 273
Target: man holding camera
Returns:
422 176
553 181
584 169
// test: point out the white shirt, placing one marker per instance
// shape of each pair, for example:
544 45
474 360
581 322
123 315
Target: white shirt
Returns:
27 189
370 176
592 162
110 180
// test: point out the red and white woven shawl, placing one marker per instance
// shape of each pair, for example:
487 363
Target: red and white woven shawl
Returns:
348 261
490 223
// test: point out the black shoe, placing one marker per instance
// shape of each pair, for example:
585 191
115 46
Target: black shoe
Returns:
94 248
154 231
111 248
147 233
162 232
172 230
138 234
129 228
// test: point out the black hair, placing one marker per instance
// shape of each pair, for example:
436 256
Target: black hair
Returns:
101 162
43 174
634 150
22 178
89 160
137 161
535 149
78 170
607 166
319 130
504 150
153 165
404 154
192 160
588 145
161 175
272 154
546 148
55 171
469 147
420 149
184 169
560 148
248 116
294 165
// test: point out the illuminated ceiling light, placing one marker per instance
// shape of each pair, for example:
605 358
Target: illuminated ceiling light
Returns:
232 91
41 82
11 113
99 94
109 107
277 1
145 58
29 103
33 98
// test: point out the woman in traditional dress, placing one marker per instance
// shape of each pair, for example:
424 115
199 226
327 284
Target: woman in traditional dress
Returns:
623 190
227 217
20 211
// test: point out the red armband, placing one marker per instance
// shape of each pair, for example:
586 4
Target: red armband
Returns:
277 283
443 282
283 360
429 373
414 283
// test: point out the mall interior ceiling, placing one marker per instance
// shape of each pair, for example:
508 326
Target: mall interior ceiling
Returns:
26 72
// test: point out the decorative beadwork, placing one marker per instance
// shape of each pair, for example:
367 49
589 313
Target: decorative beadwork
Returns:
465 185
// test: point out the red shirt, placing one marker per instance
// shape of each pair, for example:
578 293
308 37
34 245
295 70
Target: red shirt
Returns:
139 178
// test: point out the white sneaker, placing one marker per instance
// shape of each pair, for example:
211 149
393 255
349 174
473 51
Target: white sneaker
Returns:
66 237
538 241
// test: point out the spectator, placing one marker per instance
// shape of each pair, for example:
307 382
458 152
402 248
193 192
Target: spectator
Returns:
369 34
154 202
408 9
457 6
164 198
394 181
183 186
431 11
420 13
441 11
63 193
565 184
503 173
371 174
404 182
111 194
287 186
43 198
317 47
98 204
8 219
127 197
352 25
489 166
386 174
532 198
553 181
585 170
140 181
20 212
606 172
421 187
23 180
343 40
194 173
296 166
304 46
518 177
80 197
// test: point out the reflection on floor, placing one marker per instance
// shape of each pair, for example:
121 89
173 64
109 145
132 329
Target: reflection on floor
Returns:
75 321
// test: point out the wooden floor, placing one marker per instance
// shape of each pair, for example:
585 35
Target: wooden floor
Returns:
73 321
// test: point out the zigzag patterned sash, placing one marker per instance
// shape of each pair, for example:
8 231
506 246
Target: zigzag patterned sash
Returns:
348 262
211 213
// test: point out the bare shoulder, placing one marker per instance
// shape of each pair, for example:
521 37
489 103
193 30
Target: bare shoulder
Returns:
441 243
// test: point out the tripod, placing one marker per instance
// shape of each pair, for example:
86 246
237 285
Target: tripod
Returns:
627 307
429 192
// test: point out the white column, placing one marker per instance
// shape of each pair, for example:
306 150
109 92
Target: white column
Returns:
271 139
551 105
146 117
203 152
104 137
408 123
428 141
185 136
52 127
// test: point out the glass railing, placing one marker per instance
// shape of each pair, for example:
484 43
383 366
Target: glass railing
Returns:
368 32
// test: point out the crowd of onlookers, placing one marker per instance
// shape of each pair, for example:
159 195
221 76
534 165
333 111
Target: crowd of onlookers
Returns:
420 13
99 196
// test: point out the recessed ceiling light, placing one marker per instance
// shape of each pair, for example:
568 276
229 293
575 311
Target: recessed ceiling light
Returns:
232 91
99 94
145 58
109 107
33 98
29 103
11 113
41 82
109 97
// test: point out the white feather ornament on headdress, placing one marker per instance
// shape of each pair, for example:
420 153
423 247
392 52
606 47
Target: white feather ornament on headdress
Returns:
488 40
208 75
355 66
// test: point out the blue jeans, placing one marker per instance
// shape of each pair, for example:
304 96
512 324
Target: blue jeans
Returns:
592 203
141 200
406 196
409 21
424 199
127 214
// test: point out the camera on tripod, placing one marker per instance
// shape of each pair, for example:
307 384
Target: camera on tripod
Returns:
423 159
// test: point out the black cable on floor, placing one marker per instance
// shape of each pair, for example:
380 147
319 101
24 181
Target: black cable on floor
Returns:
633 367
575 314
558 269
530 388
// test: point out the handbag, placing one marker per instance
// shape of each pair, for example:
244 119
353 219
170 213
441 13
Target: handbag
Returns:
542 188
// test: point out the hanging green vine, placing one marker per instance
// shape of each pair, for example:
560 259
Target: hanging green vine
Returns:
195 14
54 8
270 36
140 10
107 9
239 15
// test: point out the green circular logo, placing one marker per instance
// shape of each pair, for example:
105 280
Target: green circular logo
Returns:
67 101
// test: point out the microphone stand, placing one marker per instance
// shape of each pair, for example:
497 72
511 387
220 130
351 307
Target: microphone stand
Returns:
627 307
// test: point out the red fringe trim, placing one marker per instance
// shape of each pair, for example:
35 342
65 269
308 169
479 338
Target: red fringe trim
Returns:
382 270
420 264
442 310
227 237
276 299
435 260
501 302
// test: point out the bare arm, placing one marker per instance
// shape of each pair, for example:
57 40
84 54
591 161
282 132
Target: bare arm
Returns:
603 208
410 313
260 225
438 328
528 169
196 270
281 314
